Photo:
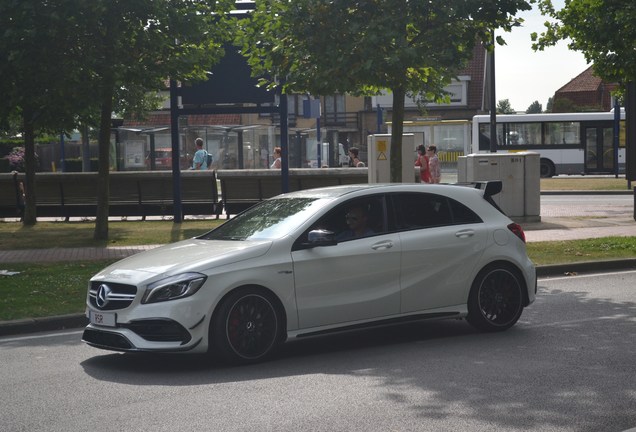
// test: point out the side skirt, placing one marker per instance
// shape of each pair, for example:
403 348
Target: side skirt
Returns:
380 323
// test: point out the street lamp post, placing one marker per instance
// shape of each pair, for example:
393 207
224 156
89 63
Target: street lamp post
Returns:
493 98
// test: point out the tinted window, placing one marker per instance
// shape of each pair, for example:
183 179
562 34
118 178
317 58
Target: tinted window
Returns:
414 211
360 217
462 214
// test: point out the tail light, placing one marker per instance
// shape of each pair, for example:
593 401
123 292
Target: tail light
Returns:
518 231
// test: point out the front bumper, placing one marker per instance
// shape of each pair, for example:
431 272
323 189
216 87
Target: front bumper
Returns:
162 335
170 326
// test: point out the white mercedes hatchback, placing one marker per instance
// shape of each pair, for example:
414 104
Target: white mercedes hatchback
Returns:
314 262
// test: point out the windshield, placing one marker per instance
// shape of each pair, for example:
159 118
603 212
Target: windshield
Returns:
269 219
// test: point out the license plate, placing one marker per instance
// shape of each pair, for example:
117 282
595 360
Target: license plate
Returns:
103 318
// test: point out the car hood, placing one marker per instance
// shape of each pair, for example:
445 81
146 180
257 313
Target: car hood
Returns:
185 256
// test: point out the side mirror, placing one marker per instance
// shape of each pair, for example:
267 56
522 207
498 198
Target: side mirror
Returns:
320 237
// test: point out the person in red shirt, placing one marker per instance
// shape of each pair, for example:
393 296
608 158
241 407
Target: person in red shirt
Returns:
422 162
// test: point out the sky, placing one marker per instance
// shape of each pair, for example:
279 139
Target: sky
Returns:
524 76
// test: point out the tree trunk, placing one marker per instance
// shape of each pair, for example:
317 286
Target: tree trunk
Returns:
101 221
397 128
30 216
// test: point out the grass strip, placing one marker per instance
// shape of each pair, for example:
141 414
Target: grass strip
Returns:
570 251
584 184
46 235
41 290
50 289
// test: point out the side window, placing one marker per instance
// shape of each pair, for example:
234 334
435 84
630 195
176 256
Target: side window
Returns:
357 218
423 210
462 214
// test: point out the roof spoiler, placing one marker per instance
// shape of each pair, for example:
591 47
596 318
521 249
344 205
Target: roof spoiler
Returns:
490 187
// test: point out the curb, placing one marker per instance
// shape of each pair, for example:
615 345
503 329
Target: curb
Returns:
585 267
35 325
588 192
74 321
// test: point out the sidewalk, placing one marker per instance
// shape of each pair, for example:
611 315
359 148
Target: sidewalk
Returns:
549 229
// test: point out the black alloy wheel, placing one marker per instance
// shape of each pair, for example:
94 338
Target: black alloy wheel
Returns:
246 328
496 299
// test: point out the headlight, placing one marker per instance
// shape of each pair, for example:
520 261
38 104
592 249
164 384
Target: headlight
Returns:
174 287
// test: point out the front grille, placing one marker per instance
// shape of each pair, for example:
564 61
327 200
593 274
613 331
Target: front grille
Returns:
160 330
102 339
111 296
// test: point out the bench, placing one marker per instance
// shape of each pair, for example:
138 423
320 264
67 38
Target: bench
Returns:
143 193
241 189
11 204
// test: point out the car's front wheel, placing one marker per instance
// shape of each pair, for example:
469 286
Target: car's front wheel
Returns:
246 327
495 302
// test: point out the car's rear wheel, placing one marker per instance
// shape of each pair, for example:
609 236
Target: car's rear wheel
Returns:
495 302
246 327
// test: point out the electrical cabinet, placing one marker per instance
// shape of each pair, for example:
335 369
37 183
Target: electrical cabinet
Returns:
379 158
520 197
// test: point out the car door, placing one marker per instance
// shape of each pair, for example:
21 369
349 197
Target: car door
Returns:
441 242
355 279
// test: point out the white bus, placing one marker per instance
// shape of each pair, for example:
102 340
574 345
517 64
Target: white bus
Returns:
568 143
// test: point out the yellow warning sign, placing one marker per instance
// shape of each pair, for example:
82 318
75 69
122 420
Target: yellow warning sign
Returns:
381 146
381 156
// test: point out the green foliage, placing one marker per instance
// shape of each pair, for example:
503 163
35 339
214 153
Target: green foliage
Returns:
549 105
364 47
504 107
40 63
562 105
603 30
534 108
67 63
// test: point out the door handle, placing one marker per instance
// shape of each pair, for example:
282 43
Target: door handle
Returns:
382 245
465 233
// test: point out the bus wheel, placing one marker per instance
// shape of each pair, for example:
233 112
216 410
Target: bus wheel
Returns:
546 168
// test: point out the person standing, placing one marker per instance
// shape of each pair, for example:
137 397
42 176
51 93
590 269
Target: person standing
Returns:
422 162
433 164
200 159
354 161
277 160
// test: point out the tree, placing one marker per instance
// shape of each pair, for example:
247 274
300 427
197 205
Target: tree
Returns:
39 76
68 57
133 46
535 108
365 46
503 107
549 105
603 30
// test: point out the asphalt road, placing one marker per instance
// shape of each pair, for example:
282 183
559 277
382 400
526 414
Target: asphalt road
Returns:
568 365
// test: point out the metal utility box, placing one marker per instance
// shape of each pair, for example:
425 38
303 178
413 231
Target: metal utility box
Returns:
379 158
520 197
